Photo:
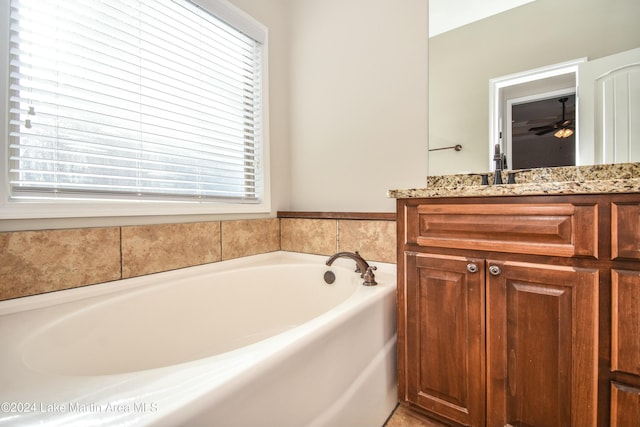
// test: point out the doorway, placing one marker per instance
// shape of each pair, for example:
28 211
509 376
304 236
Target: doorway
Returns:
525 89
542 132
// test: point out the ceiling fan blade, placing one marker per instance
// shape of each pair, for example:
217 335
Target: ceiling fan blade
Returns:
563 123
546 119
545 131
537 128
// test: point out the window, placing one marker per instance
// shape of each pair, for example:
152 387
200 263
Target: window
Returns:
135 100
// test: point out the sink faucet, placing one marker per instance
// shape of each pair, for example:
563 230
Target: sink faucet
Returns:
499 158
362 267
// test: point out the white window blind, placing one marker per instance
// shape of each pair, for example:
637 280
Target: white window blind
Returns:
141 99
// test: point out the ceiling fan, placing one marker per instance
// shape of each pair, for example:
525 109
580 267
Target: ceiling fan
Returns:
562 127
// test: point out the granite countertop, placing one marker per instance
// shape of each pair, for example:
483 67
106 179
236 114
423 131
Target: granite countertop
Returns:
612 178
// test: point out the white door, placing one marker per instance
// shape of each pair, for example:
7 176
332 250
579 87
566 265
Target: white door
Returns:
609 109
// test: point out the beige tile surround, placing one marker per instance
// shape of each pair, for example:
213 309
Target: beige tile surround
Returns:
152 248
34 262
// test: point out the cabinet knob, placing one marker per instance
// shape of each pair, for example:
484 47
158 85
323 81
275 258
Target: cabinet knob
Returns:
495 270
472 268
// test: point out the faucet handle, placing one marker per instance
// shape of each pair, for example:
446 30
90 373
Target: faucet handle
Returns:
369 277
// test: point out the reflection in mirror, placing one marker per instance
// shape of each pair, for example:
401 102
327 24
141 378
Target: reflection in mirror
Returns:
522 102
543 132
462 61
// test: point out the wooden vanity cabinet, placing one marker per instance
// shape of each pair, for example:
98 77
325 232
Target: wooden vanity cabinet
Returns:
506 304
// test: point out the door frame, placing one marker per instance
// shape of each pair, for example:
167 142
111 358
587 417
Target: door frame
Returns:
496 87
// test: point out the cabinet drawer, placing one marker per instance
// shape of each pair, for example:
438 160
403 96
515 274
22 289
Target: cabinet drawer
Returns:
625 405
625 231
562 229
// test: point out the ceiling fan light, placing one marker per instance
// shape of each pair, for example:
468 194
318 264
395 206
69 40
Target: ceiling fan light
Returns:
563 133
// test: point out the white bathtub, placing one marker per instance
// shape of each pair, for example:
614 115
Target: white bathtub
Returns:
253 342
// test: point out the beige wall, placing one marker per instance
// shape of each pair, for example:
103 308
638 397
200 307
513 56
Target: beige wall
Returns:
540 33
34 262
358 102
354 80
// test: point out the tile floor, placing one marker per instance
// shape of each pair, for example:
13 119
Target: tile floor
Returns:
402 417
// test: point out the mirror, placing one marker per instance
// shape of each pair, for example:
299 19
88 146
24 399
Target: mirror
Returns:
539 33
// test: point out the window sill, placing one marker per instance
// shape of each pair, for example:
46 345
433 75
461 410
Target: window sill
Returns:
64 209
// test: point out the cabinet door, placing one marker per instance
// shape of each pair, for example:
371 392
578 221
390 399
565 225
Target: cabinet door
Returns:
445 336
625 231
541 345
625 321
625 406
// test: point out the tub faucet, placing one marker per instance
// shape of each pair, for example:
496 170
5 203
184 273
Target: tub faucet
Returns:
362 267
